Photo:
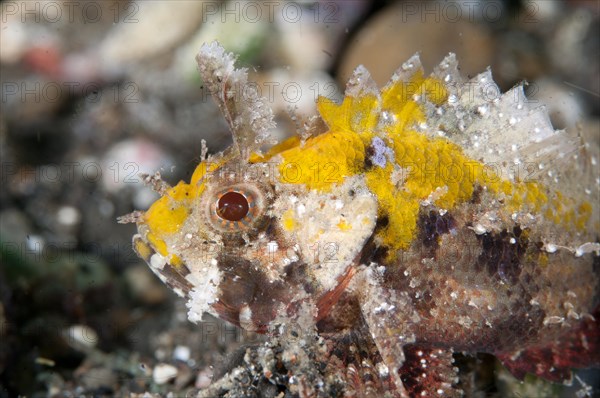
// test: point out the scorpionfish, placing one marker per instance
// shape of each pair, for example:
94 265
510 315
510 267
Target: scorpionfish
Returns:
434 215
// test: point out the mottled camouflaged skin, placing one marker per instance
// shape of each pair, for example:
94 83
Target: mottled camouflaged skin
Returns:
412 265
477 290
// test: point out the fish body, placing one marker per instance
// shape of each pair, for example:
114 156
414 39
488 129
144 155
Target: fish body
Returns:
435 214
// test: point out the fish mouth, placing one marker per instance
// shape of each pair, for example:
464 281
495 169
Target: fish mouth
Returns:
247 298
172 275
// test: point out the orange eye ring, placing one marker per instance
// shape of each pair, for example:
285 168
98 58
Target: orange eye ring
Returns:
236 208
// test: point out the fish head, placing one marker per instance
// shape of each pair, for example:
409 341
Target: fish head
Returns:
251 240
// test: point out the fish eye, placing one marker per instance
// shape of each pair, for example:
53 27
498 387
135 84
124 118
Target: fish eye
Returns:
232 206
236 208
